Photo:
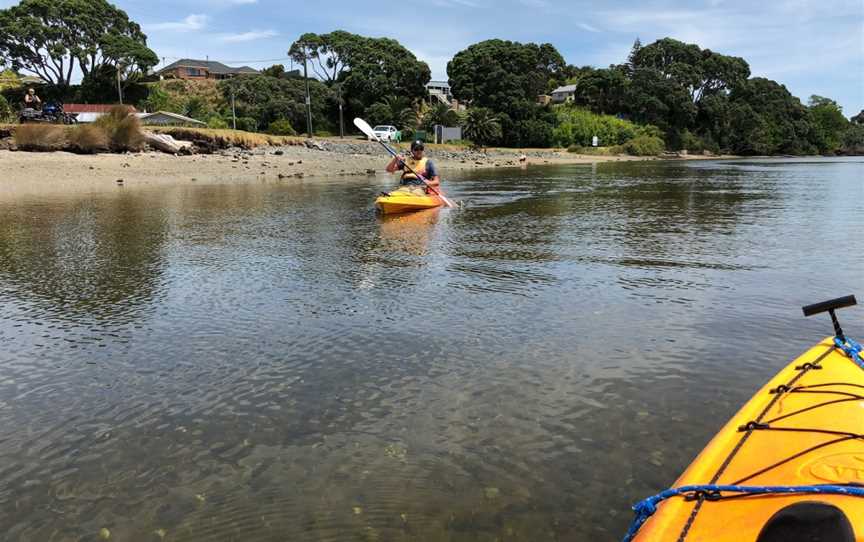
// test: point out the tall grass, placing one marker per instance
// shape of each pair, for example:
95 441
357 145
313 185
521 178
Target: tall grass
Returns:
122 129
40 137
88 139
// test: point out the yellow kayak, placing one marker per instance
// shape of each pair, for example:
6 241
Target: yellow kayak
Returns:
406 199
789 466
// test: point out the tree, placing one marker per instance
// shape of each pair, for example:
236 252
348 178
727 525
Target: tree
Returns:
766 119
858 119
331 53
506 77
267 99
481 126
497 74
829 124
365 67
50 38
9 80
393 110
276 70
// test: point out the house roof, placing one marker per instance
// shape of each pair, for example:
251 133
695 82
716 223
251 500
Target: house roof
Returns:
210 65
92 108
565 88
176 116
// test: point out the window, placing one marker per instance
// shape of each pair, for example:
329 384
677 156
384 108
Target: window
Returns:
193 72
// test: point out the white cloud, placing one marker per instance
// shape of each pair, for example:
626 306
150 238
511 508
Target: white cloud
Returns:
588 27
252 35
191 22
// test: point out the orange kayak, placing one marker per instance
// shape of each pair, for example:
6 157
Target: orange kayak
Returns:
406 199
794 454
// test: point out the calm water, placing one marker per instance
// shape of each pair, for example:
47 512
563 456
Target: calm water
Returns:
274 362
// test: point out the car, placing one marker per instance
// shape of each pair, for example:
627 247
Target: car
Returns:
386 132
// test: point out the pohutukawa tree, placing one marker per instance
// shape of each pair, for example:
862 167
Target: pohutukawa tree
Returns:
49 38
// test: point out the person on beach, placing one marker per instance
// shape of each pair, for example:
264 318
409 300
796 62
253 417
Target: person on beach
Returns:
31 99
417 162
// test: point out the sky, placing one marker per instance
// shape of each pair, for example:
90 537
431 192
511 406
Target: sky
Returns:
811 46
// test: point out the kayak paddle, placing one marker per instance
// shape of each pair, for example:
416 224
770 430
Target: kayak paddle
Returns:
364 127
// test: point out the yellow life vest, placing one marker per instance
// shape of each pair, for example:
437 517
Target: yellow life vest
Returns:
417 165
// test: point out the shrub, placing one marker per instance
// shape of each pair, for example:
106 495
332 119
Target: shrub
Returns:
247 124
40 137
6 113
319 133
578 149
88 139
217 122
122 129
644 146
578 126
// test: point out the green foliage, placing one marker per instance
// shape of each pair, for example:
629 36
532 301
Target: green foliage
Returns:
644 146
281 127
267 99
365 67
6 113
481 126
197 108
506 77
158 99
441 114
764 118
577 126
276 70
9 79
496 74
395 110
853 140
829 124
217 122
247 124
51 38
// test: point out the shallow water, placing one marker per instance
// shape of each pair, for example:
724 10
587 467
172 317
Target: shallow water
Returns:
274 362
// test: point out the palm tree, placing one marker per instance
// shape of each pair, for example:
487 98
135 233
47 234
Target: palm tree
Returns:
481 126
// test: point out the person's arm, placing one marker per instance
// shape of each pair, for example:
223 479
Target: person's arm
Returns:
433 178
395 165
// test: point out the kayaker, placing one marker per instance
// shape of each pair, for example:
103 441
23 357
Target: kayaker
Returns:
418 163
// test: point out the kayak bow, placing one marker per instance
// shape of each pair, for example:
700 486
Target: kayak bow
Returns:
788 466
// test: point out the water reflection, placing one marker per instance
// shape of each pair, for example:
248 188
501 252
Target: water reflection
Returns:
274 362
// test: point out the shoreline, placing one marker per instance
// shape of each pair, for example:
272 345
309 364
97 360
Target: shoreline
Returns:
24 171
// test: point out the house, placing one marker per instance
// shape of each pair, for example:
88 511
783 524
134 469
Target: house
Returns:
439 91
90 112
166 118
544 99
187 68
563 94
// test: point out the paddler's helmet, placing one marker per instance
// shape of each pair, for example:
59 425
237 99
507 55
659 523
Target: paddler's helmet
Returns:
417 146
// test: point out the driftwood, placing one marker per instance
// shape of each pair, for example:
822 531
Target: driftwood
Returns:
166 143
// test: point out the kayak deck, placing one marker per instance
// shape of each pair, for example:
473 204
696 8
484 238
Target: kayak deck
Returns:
803 428
406 199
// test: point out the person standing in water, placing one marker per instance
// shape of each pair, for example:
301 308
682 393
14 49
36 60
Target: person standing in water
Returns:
419 164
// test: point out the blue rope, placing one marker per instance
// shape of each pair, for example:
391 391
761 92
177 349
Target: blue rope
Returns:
851 349
646 508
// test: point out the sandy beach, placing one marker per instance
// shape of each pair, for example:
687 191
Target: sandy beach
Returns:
22 172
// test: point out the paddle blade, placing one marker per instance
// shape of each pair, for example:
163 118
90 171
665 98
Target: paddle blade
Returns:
364 127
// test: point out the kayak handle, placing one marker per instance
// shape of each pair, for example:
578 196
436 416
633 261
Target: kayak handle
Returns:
831 305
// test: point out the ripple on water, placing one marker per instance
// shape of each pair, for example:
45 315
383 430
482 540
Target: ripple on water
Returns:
274 362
